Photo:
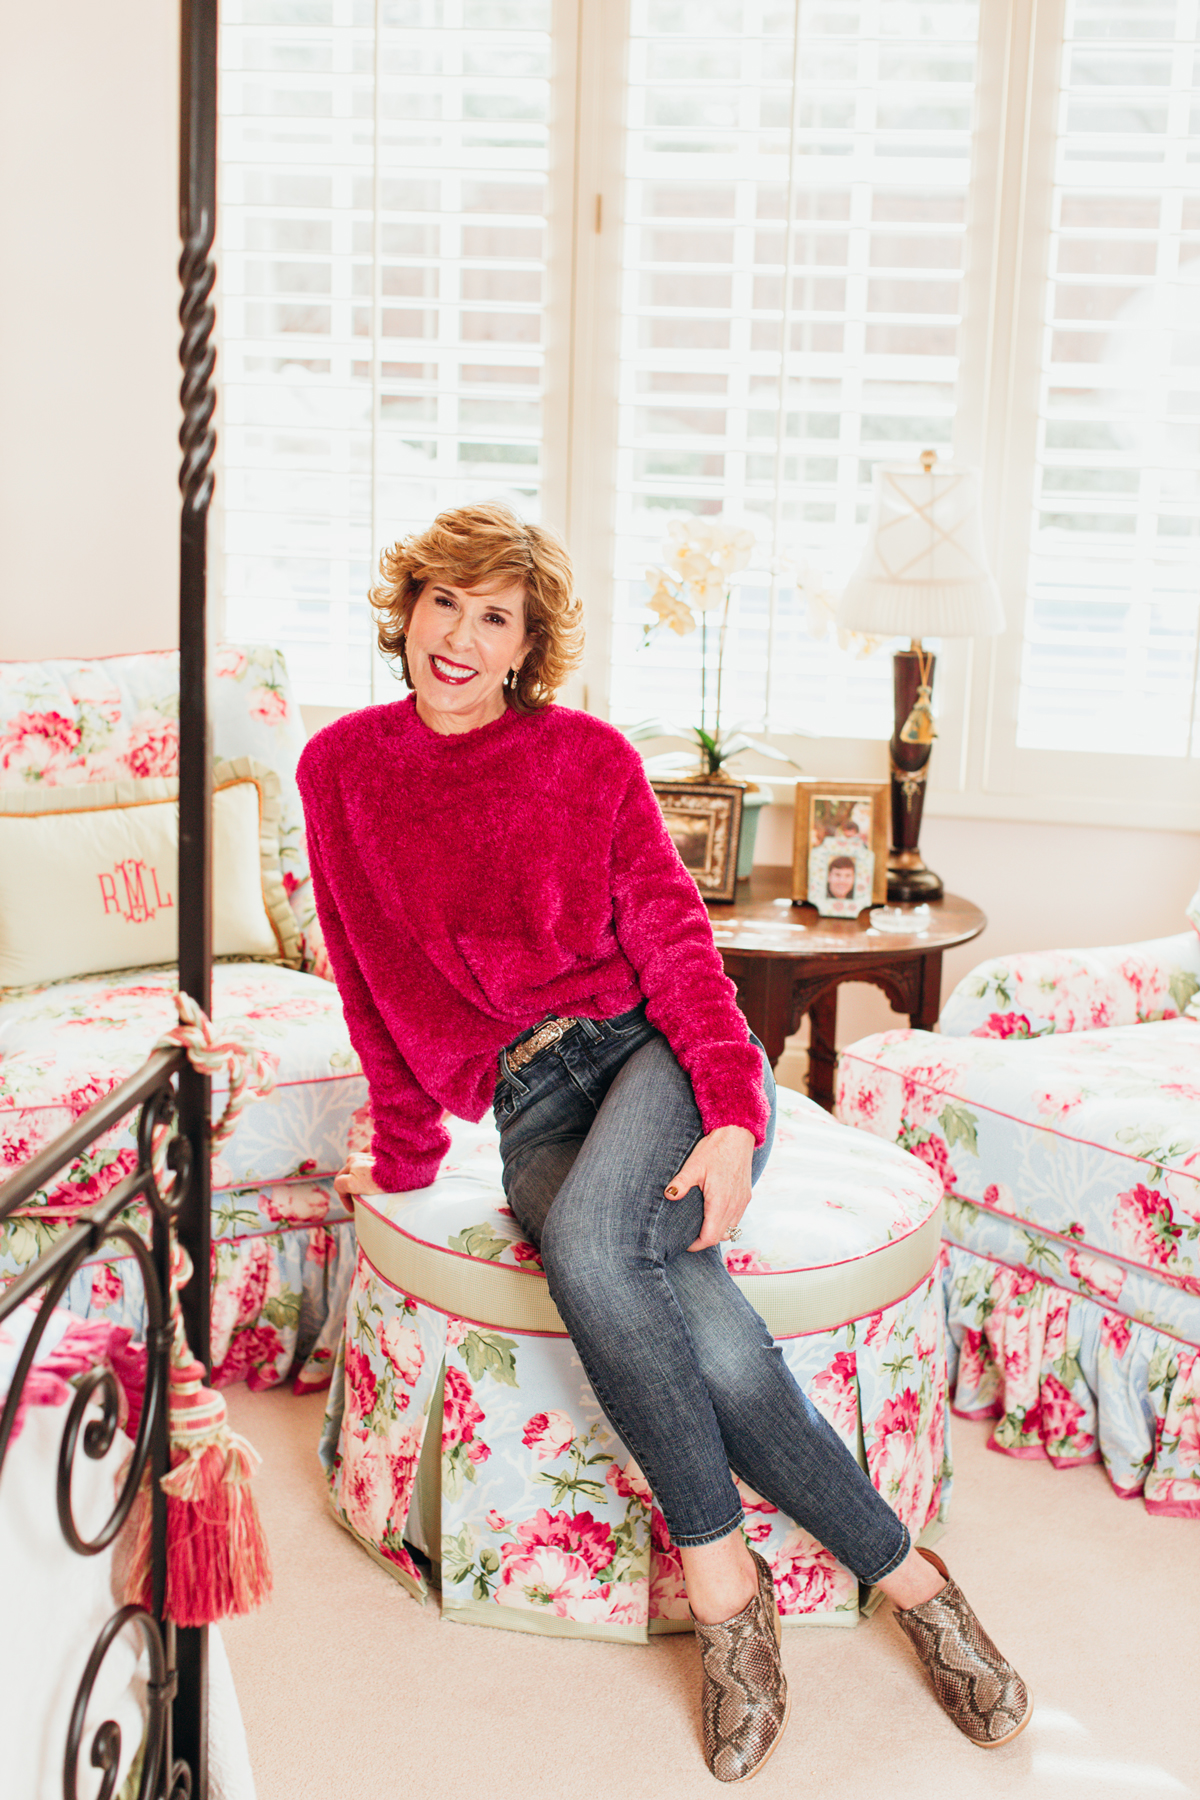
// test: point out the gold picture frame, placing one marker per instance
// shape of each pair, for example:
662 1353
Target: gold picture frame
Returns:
827 807
704 821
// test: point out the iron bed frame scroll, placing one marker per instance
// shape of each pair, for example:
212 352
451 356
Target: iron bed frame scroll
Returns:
153 1089
170 1093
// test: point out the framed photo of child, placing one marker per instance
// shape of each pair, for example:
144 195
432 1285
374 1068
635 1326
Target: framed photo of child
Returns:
841 846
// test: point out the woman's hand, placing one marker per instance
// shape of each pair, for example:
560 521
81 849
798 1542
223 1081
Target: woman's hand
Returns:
356 1176
720 1167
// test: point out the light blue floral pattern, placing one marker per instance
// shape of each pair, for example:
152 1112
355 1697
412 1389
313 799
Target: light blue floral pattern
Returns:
1071 1165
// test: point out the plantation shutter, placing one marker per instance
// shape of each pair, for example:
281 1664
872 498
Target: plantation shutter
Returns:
795 226
383 261
1112 637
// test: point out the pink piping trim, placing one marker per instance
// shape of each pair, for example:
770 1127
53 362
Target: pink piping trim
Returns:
59 1210
1074 1294
743 1274
1074 1243
104 1262
433 1306
1015 1118
61 1105
23 662
790 1337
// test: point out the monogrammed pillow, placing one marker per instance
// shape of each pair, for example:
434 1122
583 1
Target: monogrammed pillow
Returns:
88 875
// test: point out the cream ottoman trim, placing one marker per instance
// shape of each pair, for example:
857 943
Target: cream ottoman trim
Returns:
792 1303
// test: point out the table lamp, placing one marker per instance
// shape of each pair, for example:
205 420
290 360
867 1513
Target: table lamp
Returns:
923 574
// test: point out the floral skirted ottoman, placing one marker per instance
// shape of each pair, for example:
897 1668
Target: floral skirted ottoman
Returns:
1071 1166
461 1423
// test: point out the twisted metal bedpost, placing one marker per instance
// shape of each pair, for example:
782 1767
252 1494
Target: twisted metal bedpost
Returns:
197 272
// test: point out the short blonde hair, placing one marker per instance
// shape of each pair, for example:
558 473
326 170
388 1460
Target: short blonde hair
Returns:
473 544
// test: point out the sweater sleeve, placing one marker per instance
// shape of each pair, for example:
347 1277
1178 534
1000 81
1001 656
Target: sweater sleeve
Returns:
663 927
410 1139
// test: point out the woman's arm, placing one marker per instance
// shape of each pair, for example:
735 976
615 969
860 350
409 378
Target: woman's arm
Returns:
410 1139
664 930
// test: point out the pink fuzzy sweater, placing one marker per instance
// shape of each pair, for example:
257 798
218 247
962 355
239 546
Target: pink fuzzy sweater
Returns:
469 885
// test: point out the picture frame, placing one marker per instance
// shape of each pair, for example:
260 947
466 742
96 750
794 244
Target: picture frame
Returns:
851 818
704 822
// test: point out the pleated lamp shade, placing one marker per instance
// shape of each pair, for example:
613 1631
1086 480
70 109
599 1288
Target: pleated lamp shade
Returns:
924 572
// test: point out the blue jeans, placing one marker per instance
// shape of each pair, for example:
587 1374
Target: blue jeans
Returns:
591 1132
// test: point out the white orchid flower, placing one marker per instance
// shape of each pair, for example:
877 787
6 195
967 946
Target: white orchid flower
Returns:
708 591
671 610
695 566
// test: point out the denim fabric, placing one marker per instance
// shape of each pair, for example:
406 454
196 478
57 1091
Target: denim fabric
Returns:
591 1132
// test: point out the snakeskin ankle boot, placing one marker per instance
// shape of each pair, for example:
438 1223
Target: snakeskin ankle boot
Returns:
745 1700
978 1687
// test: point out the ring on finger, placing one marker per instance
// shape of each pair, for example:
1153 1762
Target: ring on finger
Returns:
735 1231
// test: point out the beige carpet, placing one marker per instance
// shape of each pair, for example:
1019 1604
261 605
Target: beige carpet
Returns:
350 1690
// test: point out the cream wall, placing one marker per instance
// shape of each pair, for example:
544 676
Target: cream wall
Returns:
88 361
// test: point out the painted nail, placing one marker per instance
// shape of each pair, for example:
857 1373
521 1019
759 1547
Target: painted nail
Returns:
672 1193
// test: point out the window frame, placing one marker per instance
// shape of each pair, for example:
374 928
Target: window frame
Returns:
978 771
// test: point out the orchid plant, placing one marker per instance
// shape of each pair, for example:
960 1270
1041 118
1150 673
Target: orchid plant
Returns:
701 558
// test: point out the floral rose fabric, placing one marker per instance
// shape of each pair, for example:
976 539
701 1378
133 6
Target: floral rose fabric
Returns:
1072 1175
280 1233
1076 990
64 1045
67 1347
1093 1138
281 1267
547 1524
63 723
1067 1379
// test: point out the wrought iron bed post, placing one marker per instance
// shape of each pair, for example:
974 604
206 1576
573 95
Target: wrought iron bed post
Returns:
197 273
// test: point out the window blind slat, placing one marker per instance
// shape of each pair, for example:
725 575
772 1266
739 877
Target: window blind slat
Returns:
1112 635
794 245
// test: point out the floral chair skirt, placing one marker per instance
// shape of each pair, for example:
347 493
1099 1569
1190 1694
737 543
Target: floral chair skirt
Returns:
1071 1167
526 1503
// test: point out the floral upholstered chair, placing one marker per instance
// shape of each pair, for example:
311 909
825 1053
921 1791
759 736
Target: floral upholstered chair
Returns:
1060 1106
282 1246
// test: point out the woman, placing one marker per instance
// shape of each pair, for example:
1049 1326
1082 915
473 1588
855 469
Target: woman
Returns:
508 921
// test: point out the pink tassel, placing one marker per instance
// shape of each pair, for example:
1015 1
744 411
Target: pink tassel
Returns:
217 1558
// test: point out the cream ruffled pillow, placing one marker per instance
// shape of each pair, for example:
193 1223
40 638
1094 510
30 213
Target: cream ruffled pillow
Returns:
88 875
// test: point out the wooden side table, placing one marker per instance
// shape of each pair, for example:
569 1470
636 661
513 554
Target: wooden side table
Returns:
788 961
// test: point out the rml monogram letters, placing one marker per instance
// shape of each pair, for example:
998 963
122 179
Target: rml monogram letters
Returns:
135 904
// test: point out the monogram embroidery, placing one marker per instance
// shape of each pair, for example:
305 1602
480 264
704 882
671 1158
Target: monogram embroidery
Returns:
133 902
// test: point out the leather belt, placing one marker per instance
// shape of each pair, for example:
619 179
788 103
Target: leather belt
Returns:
540 1040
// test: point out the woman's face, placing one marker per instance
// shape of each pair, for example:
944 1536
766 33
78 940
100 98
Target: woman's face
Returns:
841 882
460 645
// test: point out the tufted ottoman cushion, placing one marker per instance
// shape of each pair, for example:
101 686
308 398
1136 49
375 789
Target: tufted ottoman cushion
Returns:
534 1509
